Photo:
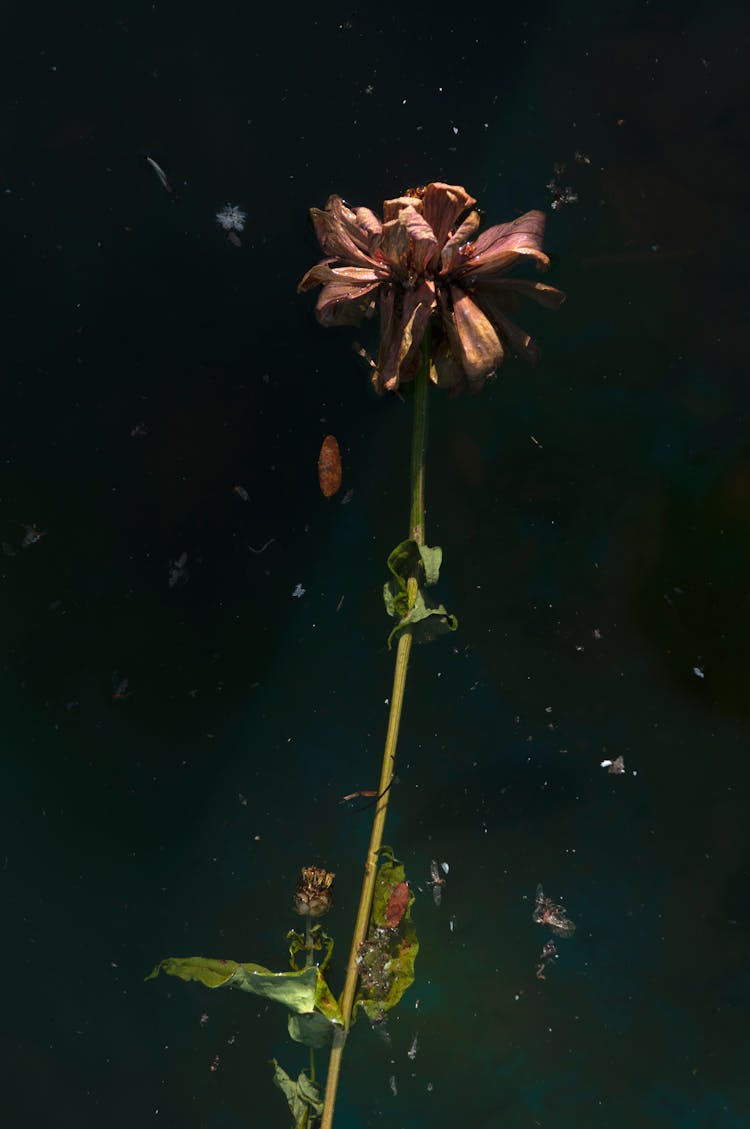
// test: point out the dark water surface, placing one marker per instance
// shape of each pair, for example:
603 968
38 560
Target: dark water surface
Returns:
594 514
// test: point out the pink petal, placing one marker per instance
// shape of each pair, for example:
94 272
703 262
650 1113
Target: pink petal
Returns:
323 273
472 337
401 336
545 295
423 244
393 208
344 302
498 248
394 247
451 251
442 204
335 239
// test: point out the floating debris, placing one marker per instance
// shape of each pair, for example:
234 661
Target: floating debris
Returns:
393 1086
551 915
437 879
412 1051
32 535
119 687
347 497
263 547
163 178
560 195
329 467
699 672
178 571
298 592
140 431
549 952
231 218
616 767
242 493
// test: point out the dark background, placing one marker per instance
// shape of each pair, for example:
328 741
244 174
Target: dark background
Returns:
599 570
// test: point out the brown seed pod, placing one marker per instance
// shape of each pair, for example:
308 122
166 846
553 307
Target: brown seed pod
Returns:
329 467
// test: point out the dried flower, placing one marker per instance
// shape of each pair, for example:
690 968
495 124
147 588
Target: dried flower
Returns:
314 892
422 260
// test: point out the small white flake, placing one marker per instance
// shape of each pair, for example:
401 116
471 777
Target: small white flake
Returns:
699 672
298 592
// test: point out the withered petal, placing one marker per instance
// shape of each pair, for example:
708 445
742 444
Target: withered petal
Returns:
344 302
394 247
323 273
480 350
510 333
393 208
451 252
401 336
499 247
422 241
442 204
334 238
548 296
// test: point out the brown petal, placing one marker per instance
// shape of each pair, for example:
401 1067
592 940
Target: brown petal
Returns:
462 234
423 244
370 225
518 339
344 302
394 247
446 372
442 204
335 239
401 336
545 295
480 350
499 247
323 273
393 208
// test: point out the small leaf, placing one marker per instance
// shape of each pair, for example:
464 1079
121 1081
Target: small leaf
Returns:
312 1029
303 1096
407 560
432 560
441 621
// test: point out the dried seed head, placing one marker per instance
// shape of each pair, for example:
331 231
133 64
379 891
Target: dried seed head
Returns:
314 892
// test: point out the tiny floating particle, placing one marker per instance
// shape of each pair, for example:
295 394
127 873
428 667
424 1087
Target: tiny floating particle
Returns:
329 467
699 672
241 492
298 592
617 766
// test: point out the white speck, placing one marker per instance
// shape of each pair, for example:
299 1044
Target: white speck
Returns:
231 218
455 129
298 592
699 672
605 764
392 1084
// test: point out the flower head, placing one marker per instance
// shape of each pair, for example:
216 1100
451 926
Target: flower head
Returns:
314 892
422 259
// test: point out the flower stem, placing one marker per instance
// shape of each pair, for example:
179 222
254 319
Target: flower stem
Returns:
416 532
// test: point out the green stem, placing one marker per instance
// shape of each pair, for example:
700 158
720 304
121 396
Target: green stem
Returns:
416 532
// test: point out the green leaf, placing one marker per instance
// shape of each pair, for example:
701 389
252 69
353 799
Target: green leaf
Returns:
312 1029
406 560
300 991
440 621
319 939
387 955
303 1096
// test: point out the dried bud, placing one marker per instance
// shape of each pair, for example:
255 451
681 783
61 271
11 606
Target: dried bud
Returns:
314 892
